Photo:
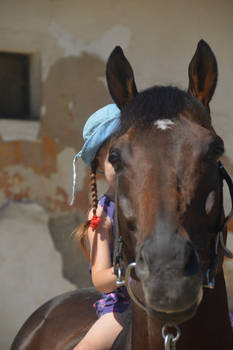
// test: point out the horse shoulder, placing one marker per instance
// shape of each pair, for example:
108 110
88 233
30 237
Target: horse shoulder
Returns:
59 323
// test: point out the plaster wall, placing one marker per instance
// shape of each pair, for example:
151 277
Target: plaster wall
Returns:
30 267
72 40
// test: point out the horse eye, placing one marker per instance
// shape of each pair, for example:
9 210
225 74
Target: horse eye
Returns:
114 158
131 225
216 148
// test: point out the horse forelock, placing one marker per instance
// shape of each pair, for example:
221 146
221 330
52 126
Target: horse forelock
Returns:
161 103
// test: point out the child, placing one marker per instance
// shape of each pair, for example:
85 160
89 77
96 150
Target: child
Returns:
100 231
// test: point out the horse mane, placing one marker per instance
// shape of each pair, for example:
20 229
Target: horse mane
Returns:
158 102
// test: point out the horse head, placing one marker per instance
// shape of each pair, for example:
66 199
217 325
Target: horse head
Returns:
168 184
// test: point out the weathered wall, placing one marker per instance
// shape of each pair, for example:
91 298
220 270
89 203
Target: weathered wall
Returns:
30 267
73 39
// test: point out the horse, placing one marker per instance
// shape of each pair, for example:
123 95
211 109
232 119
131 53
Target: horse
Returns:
170 221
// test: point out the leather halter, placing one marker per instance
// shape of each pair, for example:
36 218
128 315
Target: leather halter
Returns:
216 243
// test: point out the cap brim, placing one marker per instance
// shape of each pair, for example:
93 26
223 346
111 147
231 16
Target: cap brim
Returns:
101 134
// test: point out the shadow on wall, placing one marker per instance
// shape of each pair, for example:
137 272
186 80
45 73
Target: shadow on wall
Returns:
75 265
73 90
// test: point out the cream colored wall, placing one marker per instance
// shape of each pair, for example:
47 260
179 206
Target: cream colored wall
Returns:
158 37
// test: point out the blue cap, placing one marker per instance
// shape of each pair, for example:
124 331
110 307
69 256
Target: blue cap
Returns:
98 128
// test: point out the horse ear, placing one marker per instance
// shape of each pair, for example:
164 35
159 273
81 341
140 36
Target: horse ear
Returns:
203 72
120 78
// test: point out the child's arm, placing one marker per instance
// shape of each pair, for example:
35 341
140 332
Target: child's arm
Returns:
103 277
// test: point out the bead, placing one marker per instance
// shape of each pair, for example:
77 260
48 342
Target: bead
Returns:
95 221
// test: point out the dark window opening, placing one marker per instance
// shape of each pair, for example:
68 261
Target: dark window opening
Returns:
16 99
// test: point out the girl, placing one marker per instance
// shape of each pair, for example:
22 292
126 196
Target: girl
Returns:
100 232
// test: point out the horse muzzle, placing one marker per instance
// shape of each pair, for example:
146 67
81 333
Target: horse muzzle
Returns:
170 272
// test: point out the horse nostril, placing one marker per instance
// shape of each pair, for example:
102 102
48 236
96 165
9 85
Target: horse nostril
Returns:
142 269
191 266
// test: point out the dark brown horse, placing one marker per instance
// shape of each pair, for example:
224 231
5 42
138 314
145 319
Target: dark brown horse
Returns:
169 217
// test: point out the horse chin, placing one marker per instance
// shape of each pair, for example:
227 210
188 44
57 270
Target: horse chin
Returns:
175 318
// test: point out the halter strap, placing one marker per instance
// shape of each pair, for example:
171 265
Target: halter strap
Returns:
218 241
225 176
118 244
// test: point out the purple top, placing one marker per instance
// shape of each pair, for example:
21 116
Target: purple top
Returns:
117 300
109 207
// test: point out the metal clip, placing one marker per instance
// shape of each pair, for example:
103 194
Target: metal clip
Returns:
169 339
168 342
119 281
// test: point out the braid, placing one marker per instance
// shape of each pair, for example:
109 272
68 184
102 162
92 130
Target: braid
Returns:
94 195
81 233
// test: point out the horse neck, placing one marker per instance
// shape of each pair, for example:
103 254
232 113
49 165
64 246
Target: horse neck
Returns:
208 329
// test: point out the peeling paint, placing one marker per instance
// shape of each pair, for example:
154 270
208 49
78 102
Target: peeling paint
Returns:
41 170
52 191
41 157
12 130
101 46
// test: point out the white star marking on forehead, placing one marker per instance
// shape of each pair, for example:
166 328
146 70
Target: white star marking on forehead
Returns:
164 124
